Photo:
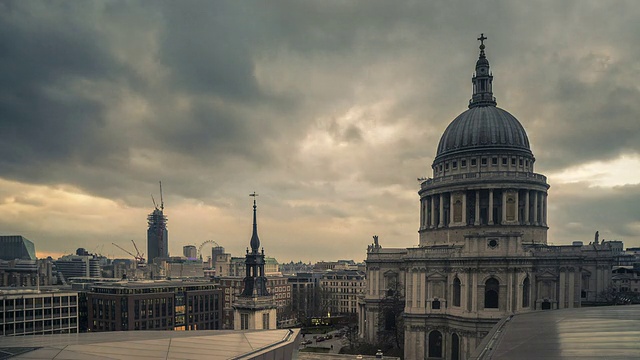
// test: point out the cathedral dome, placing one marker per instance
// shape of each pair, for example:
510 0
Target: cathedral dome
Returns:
483 128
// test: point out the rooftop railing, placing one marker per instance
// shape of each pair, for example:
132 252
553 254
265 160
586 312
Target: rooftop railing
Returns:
490 175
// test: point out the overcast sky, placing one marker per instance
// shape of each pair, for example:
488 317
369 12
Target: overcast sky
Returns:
329 110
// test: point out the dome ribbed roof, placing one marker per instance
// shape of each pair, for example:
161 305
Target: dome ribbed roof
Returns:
483 127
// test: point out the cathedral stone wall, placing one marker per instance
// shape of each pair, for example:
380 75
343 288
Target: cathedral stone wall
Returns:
482 253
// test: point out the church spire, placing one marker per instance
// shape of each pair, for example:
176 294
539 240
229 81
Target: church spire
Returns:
482 80
255 282
255 241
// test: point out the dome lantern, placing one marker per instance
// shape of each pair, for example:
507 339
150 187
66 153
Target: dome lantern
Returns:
482 80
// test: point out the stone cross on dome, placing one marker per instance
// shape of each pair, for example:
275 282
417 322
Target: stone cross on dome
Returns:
482 38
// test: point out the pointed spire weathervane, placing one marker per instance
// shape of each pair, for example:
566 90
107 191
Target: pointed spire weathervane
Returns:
255 241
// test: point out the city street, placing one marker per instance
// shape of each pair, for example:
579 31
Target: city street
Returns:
336 341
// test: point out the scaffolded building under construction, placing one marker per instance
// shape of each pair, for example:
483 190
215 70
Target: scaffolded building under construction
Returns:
157 235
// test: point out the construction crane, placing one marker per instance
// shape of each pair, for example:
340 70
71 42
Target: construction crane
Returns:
138 257
138 254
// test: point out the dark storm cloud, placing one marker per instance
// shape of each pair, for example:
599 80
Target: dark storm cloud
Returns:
598 120
579 211
47 120
325 105
208 47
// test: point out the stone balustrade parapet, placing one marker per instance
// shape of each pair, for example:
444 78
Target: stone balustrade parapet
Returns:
557 250
378 257
489 175
422 252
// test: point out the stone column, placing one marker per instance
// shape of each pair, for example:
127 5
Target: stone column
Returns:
490 210
464 207
544 209
423 287
517 199
477 219
441 222
572 287
430 212
510 291
474 293
433 212
414 288
504 206
535 208
563 289
526 208
451 218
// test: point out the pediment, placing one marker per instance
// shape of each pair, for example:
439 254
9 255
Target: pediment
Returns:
436 276
390 274
547 275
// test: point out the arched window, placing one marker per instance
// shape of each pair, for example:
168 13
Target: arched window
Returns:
455 347
456 292
526 288
435 344
491 294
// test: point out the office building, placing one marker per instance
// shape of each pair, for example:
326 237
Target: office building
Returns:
32 312
190 252
154 305
16 247
78 266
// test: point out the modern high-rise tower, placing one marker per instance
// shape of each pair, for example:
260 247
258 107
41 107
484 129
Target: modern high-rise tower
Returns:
157 234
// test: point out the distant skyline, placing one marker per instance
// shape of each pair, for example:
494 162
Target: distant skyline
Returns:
329 110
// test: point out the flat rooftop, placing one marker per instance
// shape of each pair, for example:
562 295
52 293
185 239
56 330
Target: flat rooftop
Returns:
606 332
209 344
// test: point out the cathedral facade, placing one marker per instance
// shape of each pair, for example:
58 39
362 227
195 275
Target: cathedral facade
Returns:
482 253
